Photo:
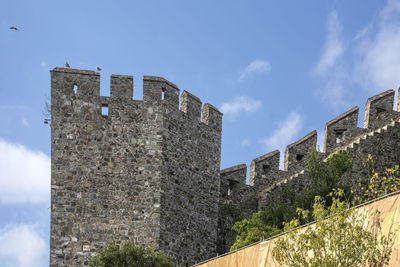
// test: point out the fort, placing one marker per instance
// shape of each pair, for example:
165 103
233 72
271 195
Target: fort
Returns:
148 171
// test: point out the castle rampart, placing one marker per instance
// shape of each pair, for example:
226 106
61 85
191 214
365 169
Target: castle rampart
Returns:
296 153
136 172
379 137
335 129
148 171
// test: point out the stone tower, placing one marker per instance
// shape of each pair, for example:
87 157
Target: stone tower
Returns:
144 171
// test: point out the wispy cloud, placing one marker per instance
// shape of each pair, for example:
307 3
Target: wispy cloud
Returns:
14 107
24 175
246 142
333 91
379 57
255 67
21 245
44 65
368 62
330 68
363 32
239 104
287 130
334 46
25 122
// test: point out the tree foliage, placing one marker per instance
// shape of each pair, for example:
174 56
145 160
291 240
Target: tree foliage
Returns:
250 231
338 238
324 176
128 255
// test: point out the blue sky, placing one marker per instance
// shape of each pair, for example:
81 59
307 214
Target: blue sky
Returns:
277 69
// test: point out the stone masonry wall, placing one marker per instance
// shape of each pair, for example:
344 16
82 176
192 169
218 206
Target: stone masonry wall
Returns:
148 172
380 137
129 174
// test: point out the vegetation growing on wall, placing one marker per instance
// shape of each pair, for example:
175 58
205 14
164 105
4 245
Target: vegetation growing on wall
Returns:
251 231
338 238
128 255
324 176
378 185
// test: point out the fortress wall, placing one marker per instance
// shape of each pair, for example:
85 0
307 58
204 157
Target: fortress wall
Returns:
148 172
384 147
131 174
264 170
233 183
105 169
234 191
398 100
379 137
191 163
336 128
379 110
296 153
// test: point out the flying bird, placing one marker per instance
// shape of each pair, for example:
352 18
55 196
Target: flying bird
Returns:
14 28
67 65
98 68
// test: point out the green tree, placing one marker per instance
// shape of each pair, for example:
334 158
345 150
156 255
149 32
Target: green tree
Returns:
323 175
128 255
338 238
251 231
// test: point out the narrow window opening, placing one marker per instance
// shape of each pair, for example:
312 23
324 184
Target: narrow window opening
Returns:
266 168
75 89
299 157
229 191
379 110
162 93
104 111
337 140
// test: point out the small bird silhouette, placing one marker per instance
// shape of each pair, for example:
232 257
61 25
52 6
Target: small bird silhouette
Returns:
14 28
67 65
98 68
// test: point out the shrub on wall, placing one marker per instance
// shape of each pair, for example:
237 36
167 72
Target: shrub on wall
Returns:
338 238
324 176
128 255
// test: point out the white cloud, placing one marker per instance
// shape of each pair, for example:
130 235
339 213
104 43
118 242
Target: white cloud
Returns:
334 46
287 130
255 67
379 52
44 65
14 107
330 68
25 122
240 104
364 31
368 63
21 245
246 142
334 92
24 175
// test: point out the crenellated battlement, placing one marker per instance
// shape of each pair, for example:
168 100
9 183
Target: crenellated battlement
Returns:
296 153
84 85
148 171
341 133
